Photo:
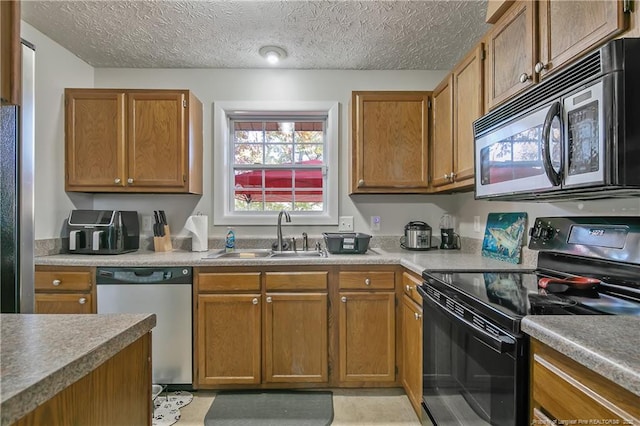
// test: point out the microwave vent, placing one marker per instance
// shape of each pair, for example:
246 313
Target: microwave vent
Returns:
578 73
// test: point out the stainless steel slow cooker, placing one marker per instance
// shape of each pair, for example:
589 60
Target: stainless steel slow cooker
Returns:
417 236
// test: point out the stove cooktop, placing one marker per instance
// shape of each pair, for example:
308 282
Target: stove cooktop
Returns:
507 296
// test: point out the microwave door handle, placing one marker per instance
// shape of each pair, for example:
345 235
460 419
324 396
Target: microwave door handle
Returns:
497 344
554 177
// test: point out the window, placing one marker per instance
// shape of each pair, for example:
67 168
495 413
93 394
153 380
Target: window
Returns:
275 156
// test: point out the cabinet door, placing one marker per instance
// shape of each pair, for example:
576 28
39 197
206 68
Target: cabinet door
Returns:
592 23
442 128
228 339
367 337
10 75
95 137
157 142
389 142
511 52
63 303
412 351
468 106
295 337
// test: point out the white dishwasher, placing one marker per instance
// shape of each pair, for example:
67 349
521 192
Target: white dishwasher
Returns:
166 292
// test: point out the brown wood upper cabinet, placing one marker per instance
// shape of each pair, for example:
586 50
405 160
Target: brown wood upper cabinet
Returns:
133 141
389 142
457 102
532 39
10 54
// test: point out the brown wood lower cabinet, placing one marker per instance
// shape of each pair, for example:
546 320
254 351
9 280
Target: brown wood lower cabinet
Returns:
64 290
261 328
411 314
367 326
565 392
229 342
295 337
117 392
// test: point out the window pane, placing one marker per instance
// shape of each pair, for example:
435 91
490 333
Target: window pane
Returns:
278 154
307 207
248 153
309 154
311 178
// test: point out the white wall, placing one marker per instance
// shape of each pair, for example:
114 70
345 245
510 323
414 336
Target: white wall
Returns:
56 68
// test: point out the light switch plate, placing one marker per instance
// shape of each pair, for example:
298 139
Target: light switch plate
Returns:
147 223
345 224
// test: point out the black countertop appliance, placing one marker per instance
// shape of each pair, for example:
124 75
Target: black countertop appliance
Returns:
103 231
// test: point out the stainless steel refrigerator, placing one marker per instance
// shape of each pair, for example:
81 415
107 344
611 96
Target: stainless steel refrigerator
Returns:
17 166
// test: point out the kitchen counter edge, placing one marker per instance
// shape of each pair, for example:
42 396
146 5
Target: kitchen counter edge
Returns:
61 350
604 344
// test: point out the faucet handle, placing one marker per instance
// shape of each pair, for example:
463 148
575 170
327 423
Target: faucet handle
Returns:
318 246
293 243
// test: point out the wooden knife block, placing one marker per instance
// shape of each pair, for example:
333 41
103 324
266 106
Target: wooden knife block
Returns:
163 243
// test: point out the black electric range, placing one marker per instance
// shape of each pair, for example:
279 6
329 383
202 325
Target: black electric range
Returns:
605 248
475 368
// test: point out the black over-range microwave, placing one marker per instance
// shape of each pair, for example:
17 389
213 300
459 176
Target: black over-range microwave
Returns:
575 135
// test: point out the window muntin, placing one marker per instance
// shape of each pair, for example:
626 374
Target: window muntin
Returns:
278 164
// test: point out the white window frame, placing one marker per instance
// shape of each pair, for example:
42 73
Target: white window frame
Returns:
223 213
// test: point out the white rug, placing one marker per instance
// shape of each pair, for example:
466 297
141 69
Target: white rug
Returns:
166 407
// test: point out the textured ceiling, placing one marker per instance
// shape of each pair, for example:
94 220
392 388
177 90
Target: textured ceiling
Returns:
347 34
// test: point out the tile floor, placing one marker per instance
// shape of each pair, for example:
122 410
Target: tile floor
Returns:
350 407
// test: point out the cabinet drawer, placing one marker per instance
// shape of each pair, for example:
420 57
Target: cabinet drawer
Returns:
63 280
296 280
364 280
409 284
564 389
228 281
63 303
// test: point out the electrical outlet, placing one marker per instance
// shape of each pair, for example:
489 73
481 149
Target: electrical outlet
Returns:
147 223
345 224
477 227
375 223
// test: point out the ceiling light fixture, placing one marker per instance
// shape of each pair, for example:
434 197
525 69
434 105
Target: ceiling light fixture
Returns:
273 54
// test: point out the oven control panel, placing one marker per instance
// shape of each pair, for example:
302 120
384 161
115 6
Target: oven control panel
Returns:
606 237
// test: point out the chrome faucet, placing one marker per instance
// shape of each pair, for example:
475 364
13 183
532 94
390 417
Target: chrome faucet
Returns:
305 241
279 229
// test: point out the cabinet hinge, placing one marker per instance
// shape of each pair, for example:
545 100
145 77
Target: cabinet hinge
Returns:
396 300
483 55
429 104
184 103
627 6
396 370
184 178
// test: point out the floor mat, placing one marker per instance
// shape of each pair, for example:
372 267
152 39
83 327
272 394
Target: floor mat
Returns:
166 407
266 408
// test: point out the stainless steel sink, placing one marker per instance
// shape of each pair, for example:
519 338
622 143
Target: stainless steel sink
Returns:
294 254
263 253
240 254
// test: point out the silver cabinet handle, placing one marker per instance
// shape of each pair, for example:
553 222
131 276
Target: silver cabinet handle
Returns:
367 281
452 176
130 180
539 67
417 315
56 282
82 300
446 176
408 288
524 77
255 301
117 181
361 182
268 299
343 299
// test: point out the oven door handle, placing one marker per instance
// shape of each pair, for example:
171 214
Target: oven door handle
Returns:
500 344
554 177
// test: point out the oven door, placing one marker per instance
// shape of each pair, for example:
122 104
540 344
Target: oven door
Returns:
521 156
470 375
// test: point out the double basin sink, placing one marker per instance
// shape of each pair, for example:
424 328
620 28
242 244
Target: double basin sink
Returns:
264 253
